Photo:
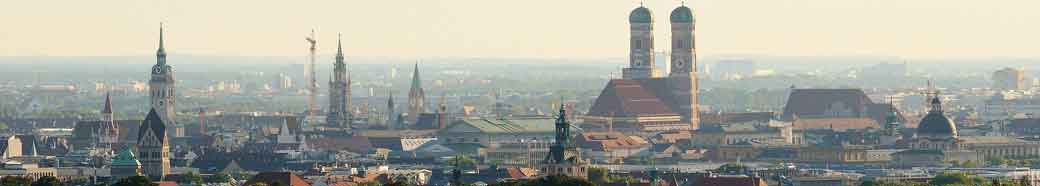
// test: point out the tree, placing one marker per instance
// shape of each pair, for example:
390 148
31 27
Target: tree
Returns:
219 178
15 181
192 178
732 169
957 179
598 175
47 181
892 183
465 162
548 181
135 181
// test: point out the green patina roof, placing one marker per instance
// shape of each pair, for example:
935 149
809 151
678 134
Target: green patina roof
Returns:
682 14
513 125
125 158
640 15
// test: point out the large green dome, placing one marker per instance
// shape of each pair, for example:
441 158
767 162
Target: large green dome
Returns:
640 15
682 14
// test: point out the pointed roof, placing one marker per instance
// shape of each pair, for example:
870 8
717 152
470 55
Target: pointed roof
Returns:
339 49
416 82
153 123
162 48
390 98
107 108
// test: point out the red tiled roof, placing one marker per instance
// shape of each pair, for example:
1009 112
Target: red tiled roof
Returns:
814 102
285 178
731 181
628 98
609 140
166 183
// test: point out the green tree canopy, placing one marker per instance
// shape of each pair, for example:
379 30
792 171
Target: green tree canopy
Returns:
47 181
135 181
15 181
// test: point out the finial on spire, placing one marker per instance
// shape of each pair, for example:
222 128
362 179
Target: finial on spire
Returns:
161 36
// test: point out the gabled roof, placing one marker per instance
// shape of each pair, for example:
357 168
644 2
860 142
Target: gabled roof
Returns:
629 98
813 102
152 123
515 125
609 140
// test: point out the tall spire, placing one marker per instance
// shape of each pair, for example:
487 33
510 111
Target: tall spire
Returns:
161 47
107 108
161 53
416 82
339 49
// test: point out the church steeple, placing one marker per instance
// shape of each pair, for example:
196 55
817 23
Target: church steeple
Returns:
161 53
416 97
339 49
339 90
107 108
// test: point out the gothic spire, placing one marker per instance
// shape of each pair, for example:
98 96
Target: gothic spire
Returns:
339 49
416 82
107 108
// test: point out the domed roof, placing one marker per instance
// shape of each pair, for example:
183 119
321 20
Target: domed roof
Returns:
936 124
682 14
640 15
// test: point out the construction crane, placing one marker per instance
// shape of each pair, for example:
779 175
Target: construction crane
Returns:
312 83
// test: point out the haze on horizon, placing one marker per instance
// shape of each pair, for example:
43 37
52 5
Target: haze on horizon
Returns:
522 29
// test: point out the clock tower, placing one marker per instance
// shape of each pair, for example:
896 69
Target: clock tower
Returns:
641 50
161 85
683 77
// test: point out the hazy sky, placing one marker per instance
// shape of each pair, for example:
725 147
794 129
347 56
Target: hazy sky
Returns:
518 28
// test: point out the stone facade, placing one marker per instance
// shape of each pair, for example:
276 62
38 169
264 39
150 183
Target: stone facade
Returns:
339 93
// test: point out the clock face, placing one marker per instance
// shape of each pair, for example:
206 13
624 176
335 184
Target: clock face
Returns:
156 70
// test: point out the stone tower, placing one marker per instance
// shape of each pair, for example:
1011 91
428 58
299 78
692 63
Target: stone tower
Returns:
108 132
161 86
416 97
564 157
391 112
641 54
339 92
683 77
153 146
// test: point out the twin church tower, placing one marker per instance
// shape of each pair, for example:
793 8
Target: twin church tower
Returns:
645 99
641 56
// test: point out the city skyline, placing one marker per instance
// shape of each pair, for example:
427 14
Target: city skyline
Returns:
572 29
